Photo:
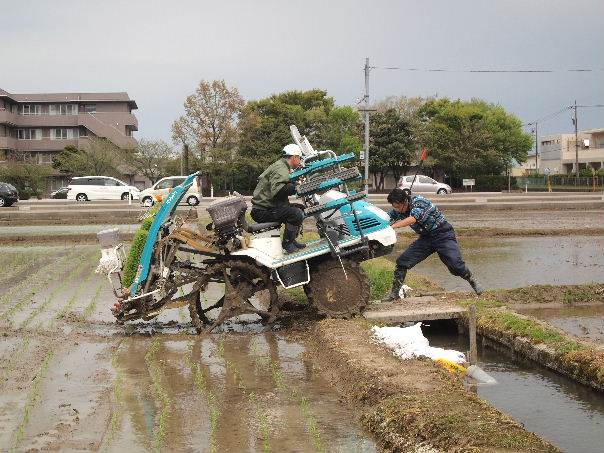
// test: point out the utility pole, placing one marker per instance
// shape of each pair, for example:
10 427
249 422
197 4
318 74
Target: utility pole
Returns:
367 69
576 142
536 150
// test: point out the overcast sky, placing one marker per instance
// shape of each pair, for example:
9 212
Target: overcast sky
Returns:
158 51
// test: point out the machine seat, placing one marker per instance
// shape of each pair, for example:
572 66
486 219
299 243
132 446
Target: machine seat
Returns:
261 227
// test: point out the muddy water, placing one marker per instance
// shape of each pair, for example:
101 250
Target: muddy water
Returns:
252 392
582 321
569 415
522 261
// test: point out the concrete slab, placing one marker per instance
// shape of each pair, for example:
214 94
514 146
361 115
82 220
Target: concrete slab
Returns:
414 309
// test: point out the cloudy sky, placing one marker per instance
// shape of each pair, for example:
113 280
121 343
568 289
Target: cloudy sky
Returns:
158 51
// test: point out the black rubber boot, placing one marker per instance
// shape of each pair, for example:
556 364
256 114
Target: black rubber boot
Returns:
397 284
475 284
296 243
289 238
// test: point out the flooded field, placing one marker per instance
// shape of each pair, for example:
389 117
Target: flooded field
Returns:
568 414
515 262
72 380
58 230
582 321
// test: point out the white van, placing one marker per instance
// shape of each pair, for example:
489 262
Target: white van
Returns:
85 188
164 186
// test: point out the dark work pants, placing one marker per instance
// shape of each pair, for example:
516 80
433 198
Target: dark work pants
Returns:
292 215
441 241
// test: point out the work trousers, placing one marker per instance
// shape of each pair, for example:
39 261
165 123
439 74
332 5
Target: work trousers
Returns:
441 241
292 214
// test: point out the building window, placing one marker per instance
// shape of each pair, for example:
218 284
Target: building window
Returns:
44 158
63 109
29 134
30 109
90 108
61 134
83 132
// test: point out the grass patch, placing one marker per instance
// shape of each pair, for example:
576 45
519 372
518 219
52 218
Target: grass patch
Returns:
528 328
543 294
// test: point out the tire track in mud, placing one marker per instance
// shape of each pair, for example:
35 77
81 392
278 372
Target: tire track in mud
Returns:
164 401
117 403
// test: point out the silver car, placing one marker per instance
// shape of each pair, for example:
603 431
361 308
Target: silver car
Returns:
423 184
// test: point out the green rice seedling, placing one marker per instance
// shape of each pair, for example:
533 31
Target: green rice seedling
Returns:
92 305
65 282
117 411
34 288
39 275
32 398
201 385
74 298
160 393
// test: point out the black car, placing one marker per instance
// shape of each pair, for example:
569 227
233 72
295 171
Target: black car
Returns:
60 193
8 194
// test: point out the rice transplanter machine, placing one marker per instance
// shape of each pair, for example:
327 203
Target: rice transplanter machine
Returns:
230 267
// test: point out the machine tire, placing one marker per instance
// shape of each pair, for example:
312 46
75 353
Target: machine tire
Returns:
441 191
81 197
332 295
192 200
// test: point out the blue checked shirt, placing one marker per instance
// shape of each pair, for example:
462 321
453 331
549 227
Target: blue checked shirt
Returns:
427 215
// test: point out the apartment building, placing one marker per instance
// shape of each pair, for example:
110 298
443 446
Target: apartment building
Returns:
557 152
40 125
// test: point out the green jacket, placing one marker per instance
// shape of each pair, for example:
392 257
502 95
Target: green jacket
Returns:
269 183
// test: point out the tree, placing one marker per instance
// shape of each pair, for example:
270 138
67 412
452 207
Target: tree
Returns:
391 146
472 138
99 157
151 158
210 118
264 125
28 178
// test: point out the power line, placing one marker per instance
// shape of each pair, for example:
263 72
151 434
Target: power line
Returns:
493 71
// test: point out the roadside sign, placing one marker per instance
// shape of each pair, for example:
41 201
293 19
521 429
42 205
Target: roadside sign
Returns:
469 182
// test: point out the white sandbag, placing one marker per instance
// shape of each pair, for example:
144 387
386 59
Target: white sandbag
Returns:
409 342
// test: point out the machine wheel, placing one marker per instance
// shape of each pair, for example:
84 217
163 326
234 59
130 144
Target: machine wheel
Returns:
337 294
244 281
192 200
81 197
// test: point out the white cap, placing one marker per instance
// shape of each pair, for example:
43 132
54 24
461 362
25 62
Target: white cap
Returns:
292 150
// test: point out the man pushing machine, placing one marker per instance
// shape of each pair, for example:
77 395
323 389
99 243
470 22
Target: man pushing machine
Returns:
436 235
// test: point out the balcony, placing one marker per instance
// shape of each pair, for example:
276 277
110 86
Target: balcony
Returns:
45 144
585 155
8 143
7 117
114 119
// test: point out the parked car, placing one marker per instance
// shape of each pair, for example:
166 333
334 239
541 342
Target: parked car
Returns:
60 193
8 194
84 188
163 187
424 184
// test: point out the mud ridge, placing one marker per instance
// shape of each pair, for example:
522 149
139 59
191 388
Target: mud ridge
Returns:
412 405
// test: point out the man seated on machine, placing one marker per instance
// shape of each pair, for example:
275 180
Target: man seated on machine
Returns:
270 202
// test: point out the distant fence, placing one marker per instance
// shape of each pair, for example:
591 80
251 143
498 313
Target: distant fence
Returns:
561 183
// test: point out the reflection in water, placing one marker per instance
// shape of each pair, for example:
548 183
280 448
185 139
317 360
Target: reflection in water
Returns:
567 414
516 262
237 375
